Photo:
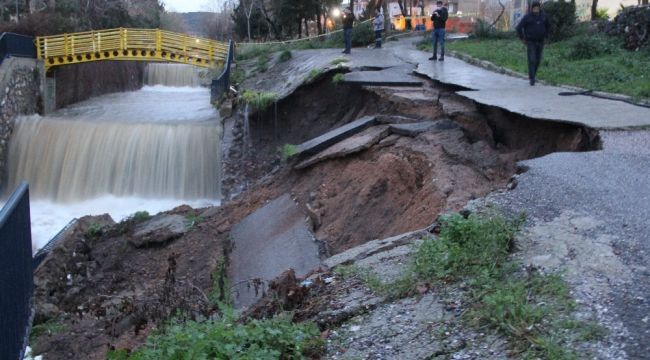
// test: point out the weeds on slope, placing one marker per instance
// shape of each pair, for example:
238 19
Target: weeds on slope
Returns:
532 309
227 338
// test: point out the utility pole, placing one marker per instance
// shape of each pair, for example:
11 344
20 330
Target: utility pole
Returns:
16 11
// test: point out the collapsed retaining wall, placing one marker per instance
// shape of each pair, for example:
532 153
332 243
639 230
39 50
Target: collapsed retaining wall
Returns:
19 94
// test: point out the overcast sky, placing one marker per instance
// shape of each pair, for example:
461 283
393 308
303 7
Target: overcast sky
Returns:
187 5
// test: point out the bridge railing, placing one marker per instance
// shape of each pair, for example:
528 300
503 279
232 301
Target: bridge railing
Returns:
221 84
16 279
130 44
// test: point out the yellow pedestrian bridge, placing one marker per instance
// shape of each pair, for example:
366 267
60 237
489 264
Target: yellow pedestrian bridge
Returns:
130 44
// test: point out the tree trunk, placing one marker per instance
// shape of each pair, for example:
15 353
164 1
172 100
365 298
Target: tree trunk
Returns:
319 25
306 27
594 9
299 28
401 4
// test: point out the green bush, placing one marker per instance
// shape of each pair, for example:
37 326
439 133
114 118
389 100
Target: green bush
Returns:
93 230
288 150
141 216
226 338
285 56
258 101
338 78
562 18
602 14
588 47
363 34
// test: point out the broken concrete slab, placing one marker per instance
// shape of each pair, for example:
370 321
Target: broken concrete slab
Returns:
268 242
396 119
373 247
362 141
390 140
394 76
318 144
413 129
158 230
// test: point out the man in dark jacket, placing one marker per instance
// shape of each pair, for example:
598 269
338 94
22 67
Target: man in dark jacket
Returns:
348 22
439 19
532 31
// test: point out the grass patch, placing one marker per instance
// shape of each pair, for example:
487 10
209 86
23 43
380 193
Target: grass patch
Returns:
590 61
285 56
258 101
396 289
262 64
287 151
50 327
339 61
338 78
523 305
93 230
227 338
141 216
313 75
192 219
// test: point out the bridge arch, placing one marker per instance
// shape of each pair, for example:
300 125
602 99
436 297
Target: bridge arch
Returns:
130 44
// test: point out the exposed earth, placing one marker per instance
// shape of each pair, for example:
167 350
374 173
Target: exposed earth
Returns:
425 151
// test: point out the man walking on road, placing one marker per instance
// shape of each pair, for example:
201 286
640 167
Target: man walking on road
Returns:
439 19
532 30
378 24
348 22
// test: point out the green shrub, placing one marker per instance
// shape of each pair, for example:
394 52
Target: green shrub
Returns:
588 47
141 216
363 34
285 56
288 150
226 338
602 14
562 18
93 230
338 78
258 100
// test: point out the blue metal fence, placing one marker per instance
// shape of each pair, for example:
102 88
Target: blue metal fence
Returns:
16 276
16 45
221 85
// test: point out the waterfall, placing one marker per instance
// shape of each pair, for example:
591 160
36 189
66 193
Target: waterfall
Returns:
151 149
69 160
177 75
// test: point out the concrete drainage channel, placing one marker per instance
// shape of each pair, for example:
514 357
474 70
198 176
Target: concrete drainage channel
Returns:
369 162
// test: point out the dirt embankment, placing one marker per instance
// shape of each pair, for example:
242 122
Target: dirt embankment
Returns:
110 290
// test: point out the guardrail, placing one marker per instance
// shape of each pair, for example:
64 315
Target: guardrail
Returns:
16 274
221 85
130 44
16 45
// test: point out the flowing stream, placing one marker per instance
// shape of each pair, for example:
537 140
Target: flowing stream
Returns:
151 149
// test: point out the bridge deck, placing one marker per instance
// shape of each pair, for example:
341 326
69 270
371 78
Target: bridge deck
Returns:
130 44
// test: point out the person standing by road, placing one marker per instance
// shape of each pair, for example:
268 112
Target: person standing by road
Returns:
378 23
348 23
532 30
439 19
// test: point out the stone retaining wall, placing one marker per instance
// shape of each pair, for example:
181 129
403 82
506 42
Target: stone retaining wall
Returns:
19 94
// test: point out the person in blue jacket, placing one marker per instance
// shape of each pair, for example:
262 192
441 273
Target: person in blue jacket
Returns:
533 29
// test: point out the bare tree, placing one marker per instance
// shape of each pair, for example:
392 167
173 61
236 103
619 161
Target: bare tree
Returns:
248 13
